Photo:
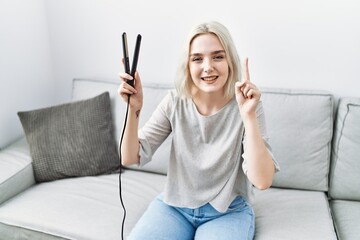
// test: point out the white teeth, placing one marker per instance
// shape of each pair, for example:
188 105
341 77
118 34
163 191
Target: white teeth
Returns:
209 78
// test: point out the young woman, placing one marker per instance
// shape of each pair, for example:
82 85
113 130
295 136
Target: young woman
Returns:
219 146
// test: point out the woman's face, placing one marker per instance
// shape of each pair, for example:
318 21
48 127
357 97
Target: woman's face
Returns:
208 65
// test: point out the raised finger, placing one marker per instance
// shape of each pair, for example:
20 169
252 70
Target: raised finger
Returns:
246 70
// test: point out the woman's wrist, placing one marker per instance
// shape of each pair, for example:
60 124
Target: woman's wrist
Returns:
135 111
248 117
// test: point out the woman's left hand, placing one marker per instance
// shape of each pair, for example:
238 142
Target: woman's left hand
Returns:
247 94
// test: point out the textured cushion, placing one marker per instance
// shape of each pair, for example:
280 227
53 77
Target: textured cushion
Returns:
346 218
153 94
292 214
71 140
345 168
300 124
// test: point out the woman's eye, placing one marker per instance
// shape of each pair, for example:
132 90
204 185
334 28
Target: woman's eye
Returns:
196 59
219 57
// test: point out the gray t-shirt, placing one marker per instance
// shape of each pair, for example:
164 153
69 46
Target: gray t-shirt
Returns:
206 162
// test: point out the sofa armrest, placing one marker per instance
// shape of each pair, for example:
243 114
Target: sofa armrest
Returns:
16 171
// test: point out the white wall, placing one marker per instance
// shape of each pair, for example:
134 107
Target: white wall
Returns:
26 80
292 44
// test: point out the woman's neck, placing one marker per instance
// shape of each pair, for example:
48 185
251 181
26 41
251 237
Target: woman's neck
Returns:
208 104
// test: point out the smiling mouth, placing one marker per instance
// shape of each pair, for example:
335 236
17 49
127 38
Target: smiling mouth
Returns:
211 78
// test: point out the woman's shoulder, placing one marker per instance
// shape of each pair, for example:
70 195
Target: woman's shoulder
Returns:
174 97
173 100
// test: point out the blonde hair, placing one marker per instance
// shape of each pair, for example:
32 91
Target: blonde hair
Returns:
183 81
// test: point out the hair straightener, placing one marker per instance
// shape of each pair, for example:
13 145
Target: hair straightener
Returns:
126 57
130 82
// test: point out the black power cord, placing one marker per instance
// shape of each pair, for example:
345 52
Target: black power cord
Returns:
121 169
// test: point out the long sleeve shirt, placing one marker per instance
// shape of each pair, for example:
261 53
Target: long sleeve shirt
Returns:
206 163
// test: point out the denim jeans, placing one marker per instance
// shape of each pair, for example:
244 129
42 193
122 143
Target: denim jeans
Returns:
163 222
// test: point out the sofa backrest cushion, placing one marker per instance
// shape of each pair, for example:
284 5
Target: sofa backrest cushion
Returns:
345 167
299 124
153 94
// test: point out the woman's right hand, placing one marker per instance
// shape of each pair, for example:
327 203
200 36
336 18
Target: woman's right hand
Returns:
136 93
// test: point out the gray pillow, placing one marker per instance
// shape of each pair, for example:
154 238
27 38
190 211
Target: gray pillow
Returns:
72 140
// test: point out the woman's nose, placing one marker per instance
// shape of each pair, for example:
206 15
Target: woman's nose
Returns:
208 67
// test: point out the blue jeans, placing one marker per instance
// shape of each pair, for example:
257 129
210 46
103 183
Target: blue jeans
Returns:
163 222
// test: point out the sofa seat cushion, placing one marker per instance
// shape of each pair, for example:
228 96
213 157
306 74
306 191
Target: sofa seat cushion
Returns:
82 208
292 214
347 218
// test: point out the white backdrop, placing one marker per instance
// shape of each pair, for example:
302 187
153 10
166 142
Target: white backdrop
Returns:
26 79
290 44
298 44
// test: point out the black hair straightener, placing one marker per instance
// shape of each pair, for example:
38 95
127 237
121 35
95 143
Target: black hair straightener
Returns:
126 57
130 82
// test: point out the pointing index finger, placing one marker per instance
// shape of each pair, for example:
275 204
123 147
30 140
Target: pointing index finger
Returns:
246 70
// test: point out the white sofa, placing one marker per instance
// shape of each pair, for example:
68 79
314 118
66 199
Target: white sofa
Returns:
316 195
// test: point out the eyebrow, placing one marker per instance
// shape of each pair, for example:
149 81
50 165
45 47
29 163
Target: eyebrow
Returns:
212 53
